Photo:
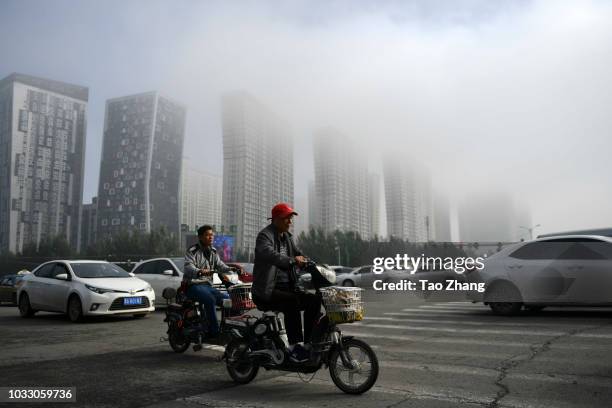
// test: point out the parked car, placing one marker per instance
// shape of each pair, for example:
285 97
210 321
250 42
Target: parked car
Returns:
84 288
305 278
163 273
246 270
562 270
364 277
8 287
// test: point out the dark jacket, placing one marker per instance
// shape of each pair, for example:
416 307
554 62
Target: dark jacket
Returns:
268 260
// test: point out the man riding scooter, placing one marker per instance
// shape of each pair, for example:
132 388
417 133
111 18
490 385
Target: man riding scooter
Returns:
201 262
274 280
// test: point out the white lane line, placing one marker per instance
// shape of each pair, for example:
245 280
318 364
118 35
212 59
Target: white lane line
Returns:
465 322
463 312
471 342
592 381
453 307
469 331
442 340
414 391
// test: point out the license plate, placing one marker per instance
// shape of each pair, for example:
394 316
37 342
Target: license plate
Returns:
132 301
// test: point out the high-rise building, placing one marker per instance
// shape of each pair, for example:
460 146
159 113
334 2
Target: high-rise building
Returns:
201 197
374 204
89 224
341 183
442 220
257 167
301 222
314 216
42 148
140 171
408 199
492 217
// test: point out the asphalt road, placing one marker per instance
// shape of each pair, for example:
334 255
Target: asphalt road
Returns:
432 354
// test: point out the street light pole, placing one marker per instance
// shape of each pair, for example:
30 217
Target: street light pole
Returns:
530 229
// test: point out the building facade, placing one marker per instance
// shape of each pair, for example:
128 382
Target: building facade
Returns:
200 198
341 183
442 218
408 199
257 167
493 217
89 224
42 149
374 204
140 170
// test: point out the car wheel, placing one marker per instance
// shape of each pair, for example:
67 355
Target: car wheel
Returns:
504 299
348 282
75 309
140 315
25 309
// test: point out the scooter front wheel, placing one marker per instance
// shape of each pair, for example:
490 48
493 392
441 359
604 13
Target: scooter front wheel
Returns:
239 366
362 374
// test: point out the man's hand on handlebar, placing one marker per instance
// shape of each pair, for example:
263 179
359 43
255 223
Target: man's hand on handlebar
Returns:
301 261
205 272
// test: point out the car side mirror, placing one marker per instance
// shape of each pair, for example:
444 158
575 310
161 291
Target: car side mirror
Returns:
168 272
132 274
62 276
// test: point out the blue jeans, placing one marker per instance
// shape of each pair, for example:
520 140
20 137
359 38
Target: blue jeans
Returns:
208 298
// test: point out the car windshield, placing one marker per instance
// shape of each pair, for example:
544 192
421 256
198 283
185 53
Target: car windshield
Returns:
180 264
98 270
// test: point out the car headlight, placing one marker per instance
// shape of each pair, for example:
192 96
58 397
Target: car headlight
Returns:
148 288
98 290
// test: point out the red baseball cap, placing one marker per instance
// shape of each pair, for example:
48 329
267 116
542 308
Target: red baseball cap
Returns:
282 210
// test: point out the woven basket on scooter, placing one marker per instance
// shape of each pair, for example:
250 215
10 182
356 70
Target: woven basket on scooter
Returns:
343 304
242 299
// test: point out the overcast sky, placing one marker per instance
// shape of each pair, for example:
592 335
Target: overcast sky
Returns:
510 96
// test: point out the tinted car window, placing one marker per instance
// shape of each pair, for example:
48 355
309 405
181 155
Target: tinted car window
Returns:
164 266
541 250
59 269
587 250
180 264
45 271
98 270
146 268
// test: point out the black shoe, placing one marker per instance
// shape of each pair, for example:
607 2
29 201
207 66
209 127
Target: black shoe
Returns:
299 354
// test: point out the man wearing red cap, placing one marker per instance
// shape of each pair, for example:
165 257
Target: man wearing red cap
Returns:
274 278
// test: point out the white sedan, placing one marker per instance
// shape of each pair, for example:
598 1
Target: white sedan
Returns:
84 288
164 273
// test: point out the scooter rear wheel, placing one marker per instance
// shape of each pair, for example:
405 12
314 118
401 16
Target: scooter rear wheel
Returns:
177 340
363 376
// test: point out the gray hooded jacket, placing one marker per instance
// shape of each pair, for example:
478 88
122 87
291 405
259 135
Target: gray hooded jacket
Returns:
196 258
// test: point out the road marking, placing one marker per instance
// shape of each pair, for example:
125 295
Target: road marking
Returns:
592 381
470 331
463 312
469 341
463 322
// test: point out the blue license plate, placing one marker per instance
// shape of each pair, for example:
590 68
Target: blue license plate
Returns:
132 301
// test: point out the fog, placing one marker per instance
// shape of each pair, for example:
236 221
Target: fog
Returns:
509 96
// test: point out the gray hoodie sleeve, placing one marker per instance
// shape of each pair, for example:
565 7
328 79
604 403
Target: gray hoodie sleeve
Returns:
221 267
191 269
